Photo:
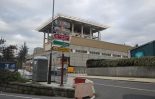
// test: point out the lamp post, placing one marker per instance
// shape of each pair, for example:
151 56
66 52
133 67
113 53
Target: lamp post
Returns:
50 62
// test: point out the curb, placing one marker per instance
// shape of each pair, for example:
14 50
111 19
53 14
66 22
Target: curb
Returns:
123 79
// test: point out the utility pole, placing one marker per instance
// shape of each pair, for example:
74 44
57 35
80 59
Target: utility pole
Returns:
50 62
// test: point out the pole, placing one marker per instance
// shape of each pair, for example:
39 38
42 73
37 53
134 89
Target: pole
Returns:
54 71
49 69
62 69
50 62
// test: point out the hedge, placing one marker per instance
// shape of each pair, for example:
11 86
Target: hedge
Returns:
144 61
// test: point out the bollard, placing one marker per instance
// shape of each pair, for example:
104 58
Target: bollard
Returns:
84 90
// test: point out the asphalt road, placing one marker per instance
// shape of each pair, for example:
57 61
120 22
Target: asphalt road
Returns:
105 89
23 96
112 89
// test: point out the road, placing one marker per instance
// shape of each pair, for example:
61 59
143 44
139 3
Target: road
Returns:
105 89
23 96
112 89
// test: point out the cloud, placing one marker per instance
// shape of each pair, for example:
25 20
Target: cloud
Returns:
133 24
4 26
130 21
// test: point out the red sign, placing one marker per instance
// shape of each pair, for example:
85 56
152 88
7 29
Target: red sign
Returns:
61 37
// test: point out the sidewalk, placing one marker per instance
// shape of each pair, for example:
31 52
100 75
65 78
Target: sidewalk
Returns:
147 80
56 85
68 84
68 81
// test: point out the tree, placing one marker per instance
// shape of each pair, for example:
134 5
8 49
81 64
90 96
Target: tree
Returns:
22 55
2 42
8 53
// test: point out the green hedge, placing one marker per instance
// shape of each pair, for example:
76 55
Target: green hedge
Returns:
7 76
145 61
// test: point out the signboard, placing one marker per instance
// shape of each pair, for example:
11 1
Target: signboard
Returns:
60 43
60 49
70 70
61 30
61 37
7 65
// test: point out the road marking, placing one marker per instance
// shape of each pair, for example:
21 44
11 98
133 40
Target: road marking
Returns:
18 96
126 87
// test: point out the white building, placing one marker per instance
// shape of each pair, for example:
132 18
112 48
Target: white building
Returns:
83 44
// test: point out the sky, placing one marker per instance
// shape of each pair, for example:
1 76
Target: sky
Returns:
130 22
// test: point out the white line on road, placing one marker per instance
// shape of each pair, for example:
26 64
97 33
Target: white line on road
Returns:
18 96
126 87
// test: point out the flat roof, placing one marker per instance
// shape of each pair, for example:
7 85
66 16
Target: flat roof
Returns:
45 27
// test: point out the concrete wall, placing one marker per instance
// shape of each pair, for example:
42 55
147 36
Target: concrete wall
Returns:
79 59
134 71
36 90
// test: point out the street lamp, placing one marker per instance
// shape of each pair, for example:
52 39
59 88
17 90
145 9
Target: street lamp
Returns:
50 62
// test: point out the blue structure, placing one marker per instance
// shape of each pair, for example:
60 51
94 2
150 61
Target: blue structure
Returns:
8 65
147 49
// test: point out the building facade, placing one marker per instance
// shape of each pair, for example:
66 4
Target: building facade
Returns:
147 49
84 44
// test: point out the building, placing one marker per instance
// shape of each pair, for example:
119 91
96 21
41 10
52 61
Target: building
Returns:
38 50
147 49
84 44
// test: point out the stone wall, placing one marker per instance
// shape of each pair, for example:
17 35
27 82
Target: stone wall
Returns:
36 90
127 71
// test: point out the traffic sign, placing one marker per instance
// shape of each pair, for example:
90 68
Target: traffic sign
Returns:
60 43
61 49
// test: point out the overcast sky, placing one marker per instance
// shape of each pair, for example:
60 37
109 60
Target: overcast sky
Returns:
131 21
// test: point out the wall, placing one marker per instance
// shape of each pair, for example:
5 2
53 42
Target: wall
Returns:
79 59
134 71
36 90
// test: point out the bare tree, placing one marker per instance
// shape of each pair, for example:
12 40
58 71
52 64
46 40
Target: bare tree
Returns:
22 55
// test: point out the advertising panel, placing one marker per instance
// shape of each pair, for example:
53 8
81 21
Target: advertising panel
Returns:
7 65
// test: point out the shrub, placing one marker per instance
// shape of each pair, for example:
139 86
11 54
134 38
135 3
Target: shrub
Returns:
7 76
144 61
